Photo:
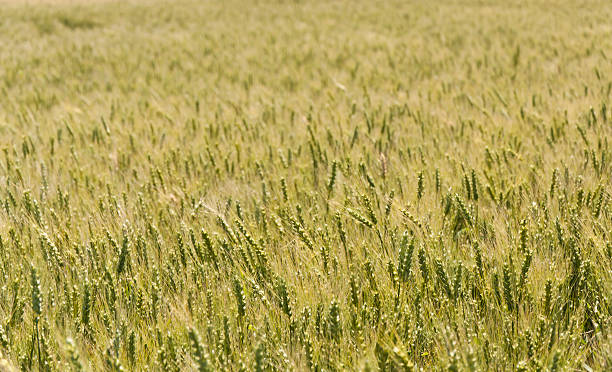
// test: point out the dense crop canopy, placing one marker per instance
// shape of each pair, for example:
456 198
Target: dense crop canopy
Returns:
305 185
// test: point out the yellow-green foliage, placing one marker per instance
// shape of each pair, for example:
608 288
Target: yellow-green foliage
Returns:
293 185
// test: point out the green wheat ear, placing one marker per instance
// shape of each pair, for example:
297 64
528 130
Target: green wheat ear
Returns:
420 185
37 302
240 298
332 177
200 355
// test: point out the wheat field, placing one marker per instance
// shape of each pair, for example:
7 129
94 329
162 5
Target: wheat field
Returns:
305 185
